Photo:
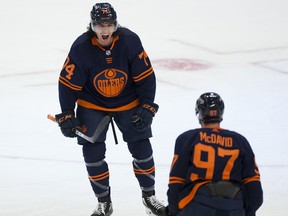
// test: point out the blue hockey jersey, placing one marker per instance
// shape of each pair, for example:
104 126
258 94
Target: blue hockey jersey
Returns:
114 78
211 155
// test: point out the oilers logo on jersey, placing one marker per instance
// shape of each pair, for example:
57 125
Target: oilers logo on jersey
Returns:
110 82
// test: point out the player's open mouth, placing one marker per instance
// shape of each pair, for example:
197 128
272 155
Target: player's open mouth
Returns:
105 37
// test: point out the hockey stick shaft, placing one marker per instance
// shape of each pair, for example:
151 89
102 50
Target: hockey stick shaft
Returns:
113 130
104 122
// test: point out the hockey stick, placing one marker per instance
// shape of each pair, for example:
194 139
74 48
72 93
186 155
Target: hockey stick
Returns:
104 122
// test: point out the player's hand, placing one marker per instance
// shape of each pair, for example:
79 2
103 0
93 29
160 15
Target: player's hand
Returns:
167 211
142 118
68 123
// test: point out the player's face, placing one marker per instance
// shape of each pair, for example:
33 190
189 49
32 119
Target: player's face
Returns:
104 33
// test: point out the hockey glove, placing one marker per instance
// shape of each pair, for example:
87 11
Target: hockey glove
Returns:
68 123
142 118
167 213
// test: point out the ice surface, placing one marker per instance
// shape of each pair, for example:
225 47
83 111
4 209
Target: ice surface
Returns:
243 46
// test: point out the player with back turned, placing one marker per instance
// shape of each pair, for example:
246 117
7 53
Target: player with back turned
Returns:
107 72
213 172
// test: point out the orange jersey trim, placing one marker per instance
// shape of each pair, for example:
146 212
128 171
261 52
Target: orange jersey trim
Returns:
143 75
186 200
89 105
95 42
251 179
65 82
176 180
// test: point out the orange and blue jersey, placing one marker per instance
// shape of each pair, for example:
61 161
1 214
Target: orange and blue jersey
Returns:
211 155
114 78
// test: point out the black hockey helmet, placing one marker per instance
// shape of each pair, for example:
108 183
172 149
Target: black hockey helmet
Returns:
209 108
103 13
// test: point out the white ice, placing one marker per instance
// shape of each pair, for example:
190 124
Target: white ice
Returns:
243 43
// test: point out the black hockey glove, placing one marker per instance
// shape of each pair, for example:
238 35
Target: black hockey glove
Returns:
167 213
142 118
68 123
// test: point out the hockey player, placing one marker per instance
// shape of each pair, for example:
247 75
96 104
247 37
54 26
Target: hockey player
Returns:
107 72
213 172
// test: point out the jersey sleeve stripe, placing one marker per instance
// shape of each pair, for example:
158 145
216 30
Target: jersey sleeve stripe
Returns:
143 75
251 179
65 82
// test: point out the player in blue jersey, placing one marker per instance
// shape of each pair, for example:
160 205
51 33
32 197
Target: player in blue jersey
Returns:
107 72
213 172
